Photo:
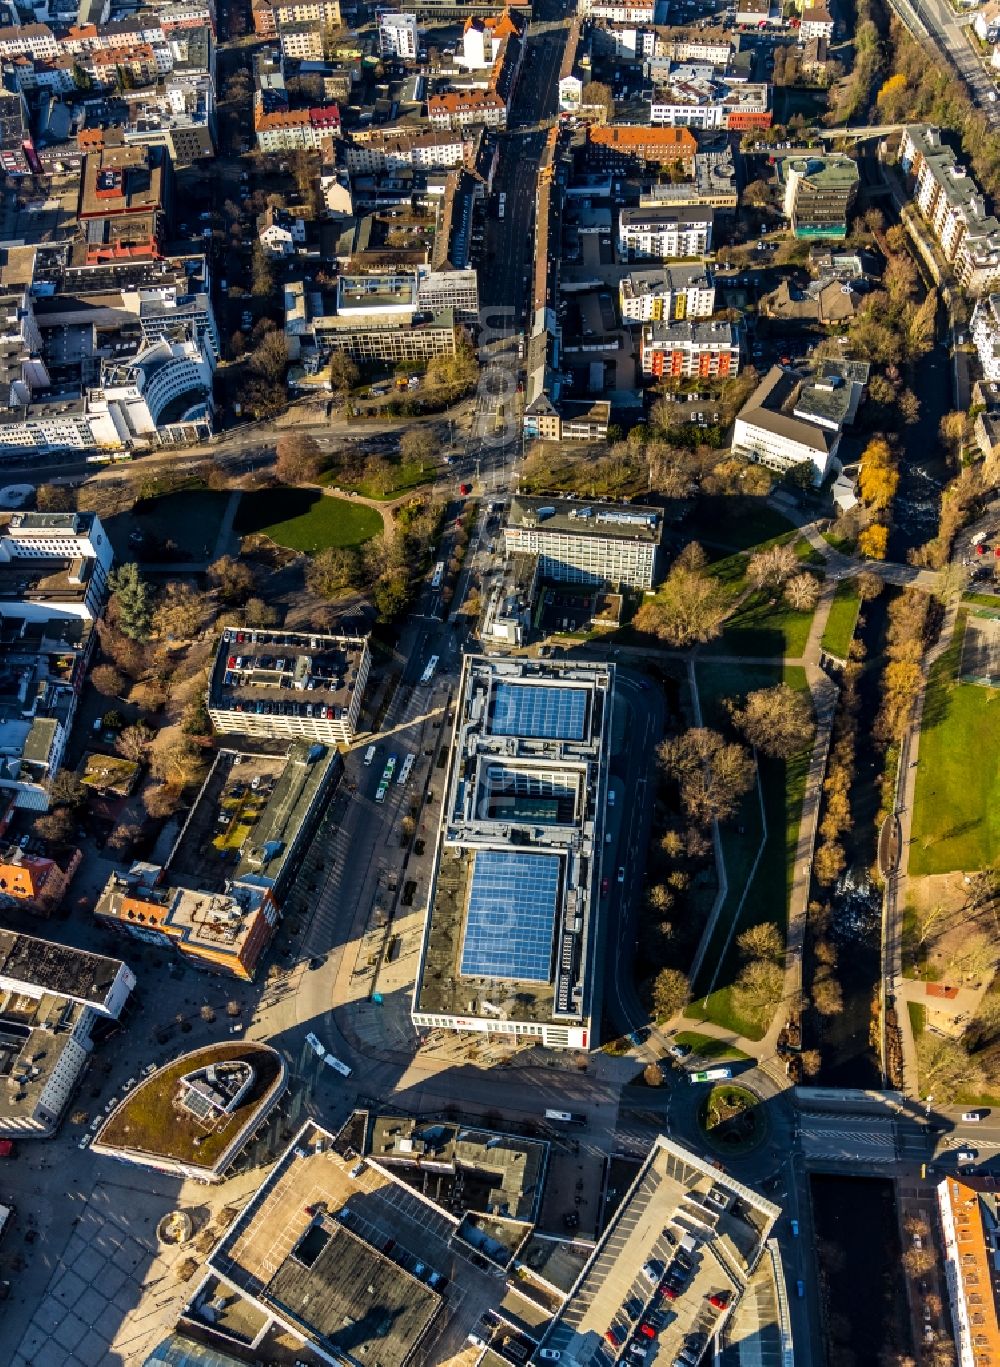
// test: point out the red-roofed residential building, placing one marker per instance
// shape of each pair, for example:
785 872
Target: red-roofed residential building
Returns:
287 129
33 882
463 109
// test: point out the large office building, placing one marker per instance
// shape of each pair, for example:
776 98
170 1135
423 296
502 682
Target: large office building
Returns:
512 932
790 420
587 543
819 192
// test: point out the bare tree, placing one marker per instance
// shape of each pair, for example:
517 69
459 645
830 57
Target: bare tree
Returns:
232 578
772 566
802 591
298 458
763 941
134 741
713 774
671 993
777 721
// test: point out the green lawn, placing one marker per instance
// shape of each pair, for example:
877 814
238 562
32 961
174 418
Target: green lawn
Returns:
190 519
710 1048
405 476
764 625
842 620
742 523
305 520
956 807
918 1014
783 786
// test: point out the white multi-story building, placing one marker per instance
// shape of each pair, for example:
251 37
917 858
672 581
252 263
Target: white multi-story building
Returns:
511 943
280 684
662 234
398 35
53 565
667 293
788 421
397 151
51 996
587 544
986 335
618 11
953 205
458 290
28 40
163 394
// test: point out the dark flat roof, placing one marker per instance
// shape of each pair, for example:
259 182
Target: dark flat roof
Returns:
57 968
352 1297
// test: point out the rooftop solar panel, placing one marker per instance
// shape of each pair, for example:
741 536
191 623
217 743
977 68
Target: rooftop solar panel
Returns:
537 712
511 916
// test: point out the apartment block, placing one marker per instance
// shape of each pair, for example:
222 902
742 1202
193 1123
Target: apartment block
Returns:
690 350
986 335
627 147
953 206
968 1213
667 294
398 35
465 109
51 997
663 234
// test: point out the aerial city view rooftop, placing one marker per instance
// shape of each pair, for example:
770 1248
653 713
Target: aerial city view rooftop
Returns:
500 683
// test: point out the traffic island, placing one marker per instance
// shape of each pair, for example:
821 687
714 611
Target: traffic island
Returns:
732 1119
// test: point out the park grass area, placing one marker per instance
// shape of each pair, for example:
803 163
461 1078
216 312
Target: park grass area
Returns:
175 527
989 601
406 476
956 806
764 625
709 1048
306 520
916 963
843 619
845 544
739 523
782 788
917 1013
